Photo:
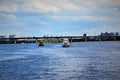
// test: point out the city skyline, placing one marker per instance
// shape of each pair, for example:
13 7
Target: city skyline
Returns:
56 17
100 34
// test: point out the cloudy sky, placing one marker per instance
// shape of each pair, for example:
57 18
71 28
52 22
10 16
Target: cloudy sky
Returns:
59 17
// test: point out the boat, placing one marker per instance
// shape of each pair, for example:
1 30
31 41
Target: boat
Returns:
41 43
66 42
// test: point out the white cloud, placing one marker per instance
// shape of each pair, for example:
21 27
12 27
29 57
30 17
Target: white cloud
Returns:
52 6
56 17
39 7
92 3
8 8
110 2
98 11
43 22
57 6
7 17
70 7
97 18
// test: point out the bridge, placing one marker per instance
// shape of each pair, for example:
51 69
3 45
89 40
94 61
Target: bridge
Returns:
83 38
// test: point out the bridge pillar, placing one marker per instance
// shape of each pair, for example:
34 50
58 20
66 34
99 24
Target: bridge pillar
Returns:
36 41
28 41
57 40
99 38
85 38
114 38
14 41
71 39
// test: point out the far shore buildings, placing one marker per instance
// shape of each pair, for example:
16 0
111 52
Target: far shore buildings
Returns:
109 34
3 36
12 36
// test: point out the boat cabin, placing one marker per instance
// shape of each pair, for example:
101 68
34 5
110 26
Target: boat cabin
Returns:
65 42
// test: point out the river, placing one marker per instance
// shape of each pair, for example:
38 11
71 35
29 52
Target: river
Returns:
80 61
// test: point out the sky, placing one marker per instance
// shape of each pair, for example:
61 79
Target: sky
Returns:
59 17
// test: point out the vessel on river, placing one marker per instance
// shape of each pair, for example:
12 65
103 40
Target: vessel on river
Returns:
41 43
66 42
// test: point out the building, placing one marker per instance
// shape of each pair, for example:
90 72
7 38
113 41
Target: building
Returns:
116 34
12 36
110 34
2 40
3 36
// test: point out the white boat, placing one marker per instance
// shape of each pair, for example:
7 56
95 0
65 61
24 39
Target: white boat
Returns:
65 42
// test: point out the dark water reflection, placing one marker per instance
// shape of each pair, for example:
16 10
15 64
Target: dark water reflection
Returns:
81 61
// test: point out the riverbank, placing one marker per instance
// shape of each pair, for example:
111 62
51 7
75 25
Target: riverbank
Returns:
54 41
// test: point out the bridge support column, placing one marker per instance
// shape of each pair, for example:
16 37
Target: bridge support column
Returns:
57 40
71 39
99 38
114 38
27 40
36 41
14 41
85 38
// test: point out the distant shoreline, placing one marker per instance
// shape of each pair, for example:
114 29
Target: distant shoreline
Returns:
53 41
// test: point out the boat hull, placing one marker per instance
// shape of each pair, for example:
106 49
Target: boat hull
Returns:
65 45
41 44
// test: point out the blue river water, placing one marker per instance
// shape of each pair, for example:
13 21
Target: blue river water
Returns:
80 61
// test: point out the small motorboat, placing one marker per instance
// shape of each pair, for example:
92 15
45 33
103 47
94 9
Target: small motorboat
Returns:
66 42
41 43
